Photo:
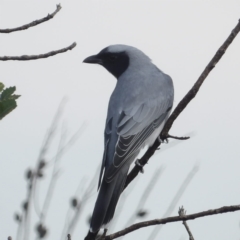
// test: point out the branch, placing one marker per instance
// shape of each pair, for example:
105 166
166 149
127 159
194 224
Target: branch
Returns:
145 195
139 225
32 24
182 212
34 57
183 103
192 93
188 230
175 200
83 199
34 175
62 148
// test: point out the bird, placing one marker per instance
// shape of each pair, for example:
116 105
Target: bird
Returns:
137 111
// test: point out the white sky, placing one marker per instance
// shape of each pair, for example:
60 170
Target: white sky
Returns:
181 37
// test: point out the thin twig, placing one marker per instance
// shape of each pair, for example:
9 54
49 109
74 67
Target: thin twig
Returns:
178 138
32 24
60 152
121 205
174 143
145 195
175 200
34 57
139 225
188 230
32 183
182 212
183 103
53 180
19 230
88 193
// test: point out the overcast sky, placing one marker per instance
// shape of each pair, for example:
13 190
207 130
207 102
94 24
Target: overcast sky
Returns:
180 37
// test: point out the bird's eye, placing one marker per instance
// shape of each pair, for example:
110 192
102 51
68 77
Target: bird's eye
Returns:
112 57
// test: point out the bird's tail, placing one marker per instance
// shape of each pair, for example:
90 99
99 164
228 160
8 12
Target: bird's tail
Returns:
106 202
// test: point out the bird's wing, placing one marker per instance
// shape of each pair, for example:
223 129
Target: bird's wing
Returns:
107 134
135 125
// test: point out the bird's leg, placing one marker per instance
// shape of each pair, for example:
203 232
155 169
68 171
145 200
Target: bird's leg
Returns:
139 165
162 140
104 234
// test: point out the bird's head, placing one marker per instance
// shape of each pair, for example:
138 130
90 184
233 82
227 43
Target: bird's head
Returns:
115 58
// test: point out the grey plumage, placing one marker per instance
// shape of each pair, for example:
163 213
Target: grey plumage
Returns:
137 111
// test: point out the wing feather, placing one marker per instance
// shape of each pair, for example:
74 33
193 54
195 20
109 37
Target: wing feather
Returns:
108 131
133 131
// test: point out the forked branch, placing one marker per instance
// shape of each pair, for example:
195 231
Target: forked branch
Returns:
183 103
139 225
182 212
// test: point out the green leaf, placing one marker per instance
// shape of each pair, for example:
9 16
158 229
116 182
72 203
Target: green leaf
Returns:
6 107
7 93
7 100
14 96
1 86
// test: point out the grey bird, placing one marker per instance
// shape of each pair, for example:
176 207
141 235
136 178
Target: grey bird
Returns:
137 111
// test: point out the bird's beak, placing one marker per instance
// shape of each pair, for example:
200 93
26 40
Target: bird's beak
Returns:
93 59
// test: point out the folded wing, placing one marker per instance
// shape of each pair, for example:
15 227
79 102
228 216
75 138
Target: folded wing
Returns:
135 126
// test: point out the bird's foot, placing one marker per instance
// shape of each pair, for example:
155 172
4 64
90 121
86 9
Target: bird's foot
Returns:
162 140
91 236
139 165
103 235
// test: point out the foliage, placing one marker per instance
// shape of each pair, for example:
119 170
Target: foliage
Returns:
7 100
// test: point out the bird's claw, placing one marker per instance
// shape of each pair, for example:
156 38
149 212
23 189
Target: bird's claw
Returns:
140 166
103 235
165 140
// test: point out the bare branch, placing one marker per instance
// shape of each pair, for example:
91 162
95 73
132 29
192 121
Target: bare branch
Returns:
53 180
55 173
139 225
188 230
183 103
36 172
121 206
194 90
182 212
175 200
83 199
145 195
32 24
34 57
178 138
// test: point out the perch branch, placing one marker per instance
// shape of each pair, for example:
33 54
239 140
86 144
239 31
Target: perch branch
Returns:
34 57
32 24
139 225
183 103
